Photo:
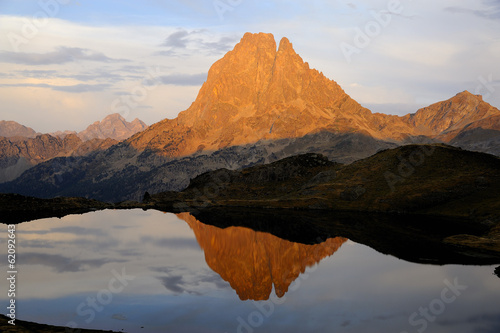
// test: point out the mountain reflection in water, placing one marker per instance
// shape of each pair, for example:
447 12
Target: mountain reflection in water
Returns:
253 261
177 265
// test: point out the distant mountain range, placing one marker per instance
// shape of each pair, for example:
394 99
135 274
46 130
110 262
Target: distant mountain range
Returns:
21 147
260 103
113 127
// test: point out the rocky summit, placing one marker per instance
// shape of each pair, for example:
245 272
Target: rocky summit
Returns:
12 129
113 127
259 91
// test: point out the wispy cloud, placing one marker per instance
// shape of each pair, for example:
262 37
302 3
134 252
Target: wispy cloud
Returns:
180 79
490 11
179 280
61 263
77 88
180 38
183 40
101 74
60 56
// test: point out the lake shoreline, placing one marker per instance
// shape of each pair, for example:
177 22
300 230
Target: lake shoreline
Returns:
28 326
485 242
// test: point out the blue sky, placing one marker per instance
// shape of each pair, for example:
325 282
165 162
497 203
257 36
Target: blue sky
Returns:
67 63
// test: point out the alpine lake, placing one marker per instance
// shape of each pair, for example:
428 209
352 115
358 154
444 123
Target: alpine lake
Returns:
240 271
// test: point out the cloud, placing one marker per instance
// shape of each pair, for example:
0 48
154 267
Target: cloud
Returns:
179 281
101 74
222 45
173 243
183 40
60 56
60 263
172 283
68 230
491 12
178 39
183 79
37 73
77 88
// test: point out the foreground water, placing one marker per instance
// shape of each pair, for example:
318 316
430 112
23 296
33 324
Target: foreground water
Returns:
148 271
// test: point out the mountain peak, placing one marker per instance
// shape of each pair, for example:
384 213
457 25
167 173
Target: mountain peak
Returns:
260 39
285 45
256 91
455 113
114 116
13 129
468 95
113 126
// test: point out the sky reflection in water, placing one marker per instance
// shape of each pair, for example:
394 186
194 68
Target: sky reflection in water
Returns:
163 272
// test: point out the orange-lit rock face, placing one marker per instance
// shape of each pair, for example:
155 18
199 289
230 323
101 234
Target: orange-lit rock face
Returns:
252 262
261 91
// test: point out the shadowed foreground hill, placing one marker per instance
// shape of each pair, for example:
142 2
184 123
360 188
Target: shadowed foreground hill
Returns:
431 179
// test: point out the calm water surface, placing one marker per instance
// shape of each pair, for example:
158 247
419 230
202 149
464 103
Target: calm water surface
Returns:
148 271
